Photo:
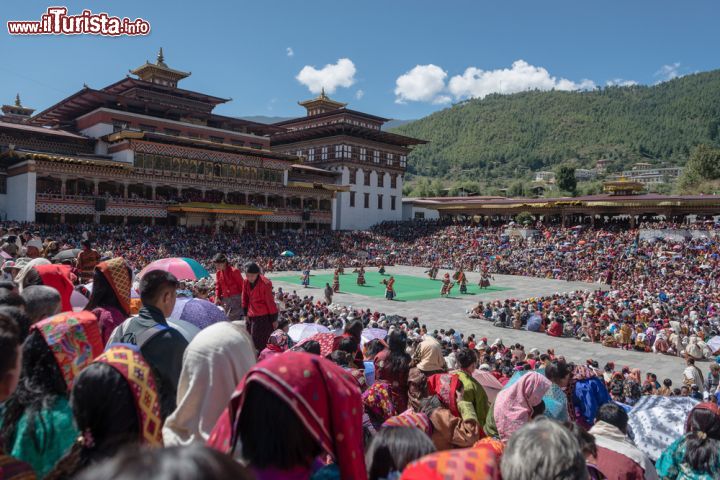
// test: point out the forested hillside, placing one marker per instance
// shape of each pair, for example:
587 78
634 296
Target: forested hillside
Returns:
502 138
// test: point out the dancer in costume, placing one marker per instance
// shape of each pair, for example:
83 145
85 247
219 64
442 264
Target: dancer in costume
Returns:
461 279
336 280
485 279
306 277
447 286
389 287
361 275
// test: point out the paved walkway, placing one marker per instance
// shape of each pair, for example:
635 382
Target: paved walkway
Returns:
452 313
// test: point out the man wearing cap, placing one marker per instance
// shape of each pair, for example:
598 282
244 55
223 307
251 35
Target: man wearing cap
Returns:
228 287
33 248
258 302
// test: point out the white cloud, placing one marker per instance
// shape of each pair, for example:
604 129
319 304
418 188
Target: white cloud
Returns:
421 84
620 82
521 76
289 51
668 72
330 77
359 94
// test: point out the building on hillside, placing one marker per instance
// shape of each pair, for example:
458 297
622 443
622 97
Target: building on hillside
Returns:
371 161
649 176
584 174
547 177
144 150
601 165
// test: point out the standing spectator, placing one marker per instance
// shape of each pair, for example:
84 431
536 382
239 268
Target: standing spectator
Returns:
328 293
110 296
259 304
161 346
692 374
87 259
473 392
228 287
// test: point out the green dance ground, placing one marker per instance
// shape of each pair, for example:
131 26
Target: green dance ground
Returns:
407 288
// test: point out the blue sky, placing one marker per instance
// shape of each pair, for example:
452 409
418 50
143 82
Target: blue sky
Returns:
404 58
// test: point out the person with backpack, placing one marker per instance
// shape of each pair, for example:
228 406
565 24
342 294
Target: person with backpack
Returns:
161 345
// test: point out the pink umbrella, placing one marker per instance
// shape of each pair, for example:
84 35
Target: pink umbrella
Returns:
182 268
490 384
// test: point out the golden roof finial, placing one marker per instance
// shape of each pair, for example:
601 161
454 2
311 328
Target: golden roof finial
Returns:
160 58
17 100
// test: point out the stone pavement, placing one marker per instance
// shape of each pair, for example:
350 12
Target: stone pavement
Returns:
452 313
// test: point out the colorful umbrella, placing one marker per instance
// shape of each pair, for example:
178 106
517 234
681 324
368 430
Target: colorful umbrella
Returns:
182 268
327 342
198 312
302 331
287 253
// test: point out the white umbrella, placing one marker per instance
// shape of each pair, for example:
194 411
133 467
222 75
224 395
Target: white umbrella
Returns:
372 333
301 331
714 344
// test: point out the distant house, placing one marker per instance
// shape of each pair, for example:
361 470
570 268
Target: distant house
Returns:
584 174
601 165
649 176
547 177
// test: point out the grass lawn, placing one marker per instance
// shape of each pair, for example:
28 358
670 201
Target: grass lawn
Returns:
406 287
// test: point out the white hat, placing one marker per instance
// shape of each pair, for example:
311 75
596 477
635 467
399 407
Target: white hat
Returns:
34 243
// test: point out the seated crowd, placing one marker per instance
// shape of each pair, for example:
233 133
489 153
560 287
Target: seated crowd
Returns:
85 389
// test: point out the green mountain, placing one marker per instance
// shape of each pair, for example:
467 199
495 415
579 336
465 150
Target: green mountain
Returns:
505 137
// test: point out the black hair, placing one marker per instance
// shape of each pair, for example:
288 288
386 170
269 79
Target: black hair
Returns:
9 342
311 346
667 382
20 318
41 384
252 267
153 283
398 361
220 258
340 358
103 404
103 295
295 447
465 357
373 347
538 409
702 442
354 328
613 414
584 438
86 243
393 448
348 345
194 462
557 370
10 297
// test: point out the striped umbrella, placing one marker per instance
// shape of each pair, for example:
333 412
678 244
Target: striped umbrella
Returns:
183 268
